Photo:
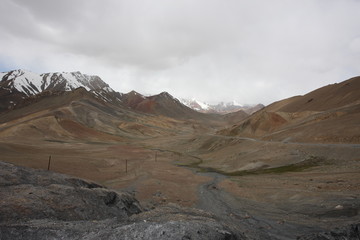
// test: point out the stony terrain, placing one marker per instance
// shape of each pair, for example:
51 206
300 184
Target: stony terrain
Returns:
37 204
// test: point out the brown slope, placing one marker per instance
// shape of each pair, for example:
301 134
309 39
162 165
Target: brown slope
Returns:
328 114
340 125
166 105
10 98
132 99
40 102
251 110
326 98
276 106
235 117
53 116
81 115
256 125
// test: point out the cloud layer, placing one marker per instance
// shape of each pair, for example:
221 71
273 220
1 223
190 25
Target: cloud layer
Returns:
248 51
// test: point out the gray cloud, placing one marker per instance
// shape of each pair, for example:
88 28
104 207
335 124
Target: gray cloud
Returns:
248 51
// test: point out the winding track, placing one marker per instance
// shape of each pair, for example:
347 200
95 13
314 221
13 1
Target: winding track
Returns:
255 220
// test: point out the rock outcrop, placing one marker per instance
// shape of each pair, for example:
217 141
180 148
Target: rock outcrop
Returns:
38 204
351 232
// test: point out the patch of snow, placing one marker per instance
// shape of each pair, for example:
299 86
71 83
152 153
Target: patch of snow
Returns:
76 80
235 103
108 89
221 107
203 105
26 79
193 103
184 101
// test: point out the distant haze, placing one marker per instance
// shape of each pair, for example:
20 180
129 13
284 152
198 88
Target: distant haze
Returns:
248 51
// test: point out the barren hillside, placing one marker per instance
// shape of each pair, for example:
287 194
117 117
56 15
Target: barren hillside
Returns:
329 114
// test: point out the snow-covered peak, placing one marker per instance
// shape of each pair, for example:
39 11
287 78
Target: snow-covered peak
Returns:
235 103
32 83
228 104
23 81
195 104
221 107
202 105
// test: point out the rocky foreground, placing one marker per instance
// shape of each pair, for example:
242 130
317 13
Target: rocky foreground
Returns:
37 204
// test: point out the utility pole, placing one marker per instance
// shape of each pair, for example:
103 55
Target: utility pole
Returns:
49 162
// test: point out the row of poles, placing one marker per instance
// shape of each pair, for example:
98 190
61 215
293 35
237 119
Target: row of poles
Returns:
126 163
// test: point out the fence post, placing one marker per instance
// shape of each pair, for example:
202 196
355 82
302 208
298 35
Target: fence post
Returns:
49 163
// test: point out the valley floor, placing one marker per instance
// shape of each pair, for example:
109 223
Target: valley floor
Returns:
268 190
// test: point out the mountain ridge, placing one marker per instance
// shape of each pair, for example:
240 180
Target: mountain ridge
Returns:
163 104
221 107
18 85
327 114
31 83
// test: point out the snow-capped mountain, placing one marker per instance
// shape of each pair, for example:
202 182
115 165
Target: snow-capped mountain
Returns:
20 84
195 104
227 107
221 108
32 83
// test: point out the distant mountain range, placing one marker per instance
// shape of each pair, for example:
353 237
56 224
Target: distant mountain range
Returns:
220 108
17 85
77 106
20 88
311 117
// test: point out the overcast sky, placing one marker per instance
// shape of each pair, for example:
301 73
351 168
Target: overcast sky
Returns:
250 51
